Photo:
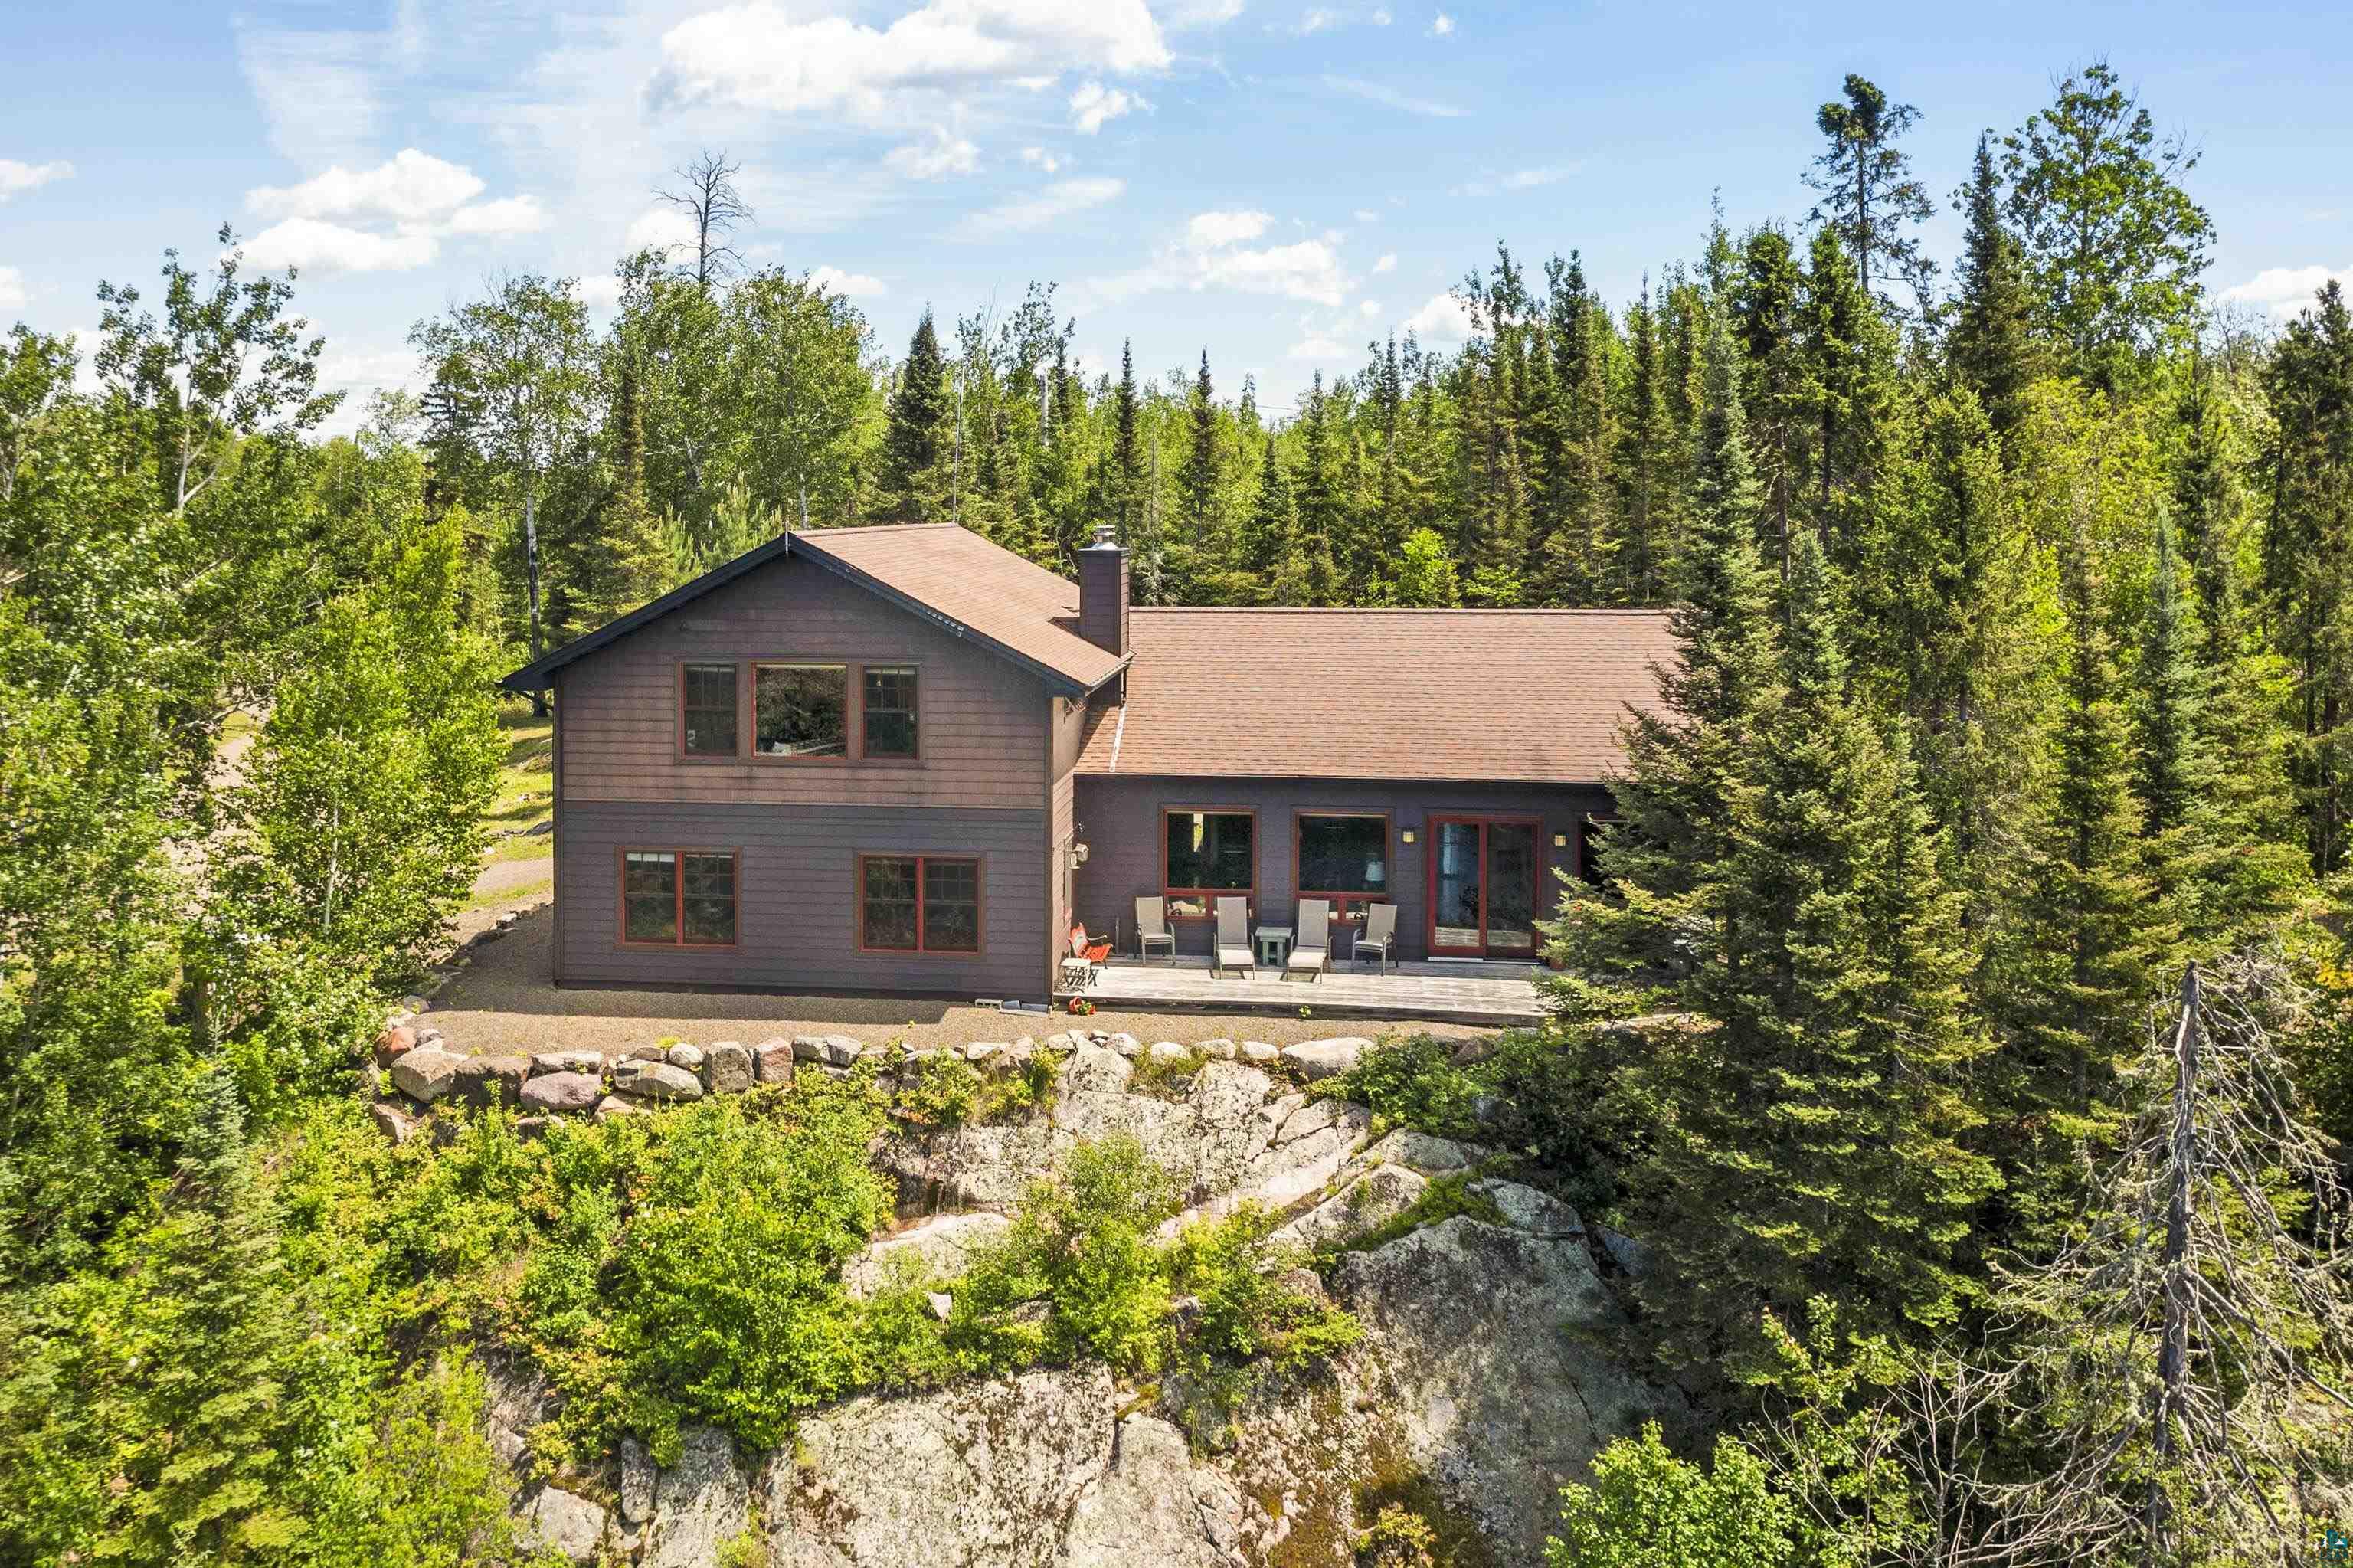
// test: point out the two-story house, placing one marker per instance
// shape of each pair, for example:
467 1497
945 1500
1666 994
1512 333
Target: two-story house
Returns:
902 759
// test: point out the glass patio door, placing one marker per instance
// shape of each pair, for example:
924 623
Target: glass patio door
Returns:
1483 875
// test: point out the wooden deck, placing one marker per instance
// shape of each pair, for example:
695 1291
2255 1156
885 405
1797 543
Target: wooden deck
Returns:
1492 994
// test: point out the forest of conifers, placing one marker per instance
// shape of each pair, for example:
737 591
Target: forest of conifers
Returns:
2017 591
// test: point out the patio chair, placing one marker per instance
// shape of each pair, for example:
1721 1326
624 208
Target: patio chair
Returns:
1233 947
1378 934
1084 961
1152 928
1311 946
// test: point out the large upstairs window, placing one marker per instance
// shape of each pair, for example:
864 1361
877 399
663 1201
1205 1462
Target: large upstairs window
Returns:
707 715
800 710
887 711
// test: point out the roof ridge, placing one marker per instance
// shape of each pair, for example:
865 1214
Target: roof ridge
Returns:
1398 609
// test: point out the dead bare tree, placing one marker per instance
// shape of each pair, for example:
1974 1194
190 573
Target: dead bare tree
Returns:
707 192
2170 1388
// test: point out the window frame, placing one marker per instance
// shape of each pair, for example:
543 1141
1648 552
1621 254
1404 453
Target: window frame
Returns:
979 864
915 672
1208 897
678 943
851 722
678 735
1347 908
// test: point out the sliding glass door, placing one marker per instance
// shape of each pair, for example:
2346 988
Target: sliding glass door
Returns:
1484 875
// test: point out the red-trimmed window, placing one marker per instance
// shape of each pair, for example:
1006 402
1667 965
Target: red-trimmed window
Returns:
678 898
888 710
1344 857
1205 855
919 903
707 717
800 711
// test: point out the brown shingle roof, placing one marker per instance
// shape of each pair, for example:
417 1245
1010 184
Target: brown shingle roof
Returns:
953 571
1503 695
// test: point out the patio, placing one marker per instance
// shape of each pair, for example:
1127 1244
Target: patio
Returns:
1459 992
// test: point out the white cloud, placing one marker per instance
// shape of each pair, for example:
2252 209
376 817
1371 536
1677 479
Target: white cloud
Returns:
1039 158
665 228
410 186
1323 18
936 159
390 217
1441 319
1201 13
508 215
1316 347
1367 215
850 285
1062 199
755 56
601 293
12 287
2282 292
1370 308
1315 21
1442 26
1214 253
16 178
1528 179
1210 229
1095 104
1388 263
1391 97
319 246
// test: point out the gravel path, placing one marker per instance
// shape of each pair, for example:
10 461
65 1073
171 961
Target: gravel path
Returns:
502 1002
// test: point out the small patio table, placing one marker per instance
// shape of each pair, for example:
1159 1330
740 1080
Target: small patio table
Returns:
1273 945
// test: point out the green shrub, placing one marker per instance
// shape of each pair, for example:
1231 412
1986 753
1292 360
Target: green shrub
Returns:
1647 1509
1442 1199
1550 1094
1245 1310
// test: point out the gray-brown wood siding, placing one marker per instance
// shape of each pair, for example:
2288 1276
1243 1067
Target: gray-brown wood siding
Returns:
982 735
797 904
1121 824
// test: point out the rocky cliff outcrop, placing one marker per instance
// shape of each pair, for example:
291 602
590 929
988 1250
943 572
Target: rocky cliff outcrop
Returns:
1489 1374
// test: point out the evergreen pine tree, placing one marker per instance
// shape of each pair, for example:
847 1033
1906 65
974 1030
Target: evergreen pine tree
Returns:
1808 1142
621 556
1682 761
911 443
1126 477
1646 465
1306 575
1268 538
1197 480
2091 931
1991 347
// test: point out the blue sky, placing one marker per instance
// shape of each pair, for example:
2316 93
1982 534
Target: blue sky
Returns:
1274 180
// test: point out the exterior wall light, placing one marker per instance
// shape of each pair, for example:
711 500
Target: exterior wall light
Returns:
1407 835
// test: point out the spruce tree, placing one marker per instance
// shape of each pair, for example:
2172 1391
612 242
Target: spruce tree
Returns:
1766 292
1125 480
1991 347
622 555
1306 574
1197 481
2092 931
911 443
1269 538
1682 760
1808 1140
1647 463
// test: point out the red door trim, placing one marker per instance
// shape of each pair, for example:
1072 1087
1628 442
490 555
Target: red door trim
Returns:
1535 884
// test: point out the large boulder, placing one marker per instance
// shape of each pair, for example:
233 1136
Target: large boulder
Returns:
1154 1508
567 1062
1095 1070
727 1068
1364 1205
562 1522
656 1081
979 1474
828 1049
425 1074
1486 1345
772 1061
1326 1058
562 1092
1526 1209
486 1081
700 1503
938 1248
1420 1151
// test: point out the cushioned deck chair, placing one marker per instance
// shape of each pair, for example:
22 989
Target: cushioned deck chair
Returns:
1376 935
1083 963
1310 947
1233 950
1152 927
